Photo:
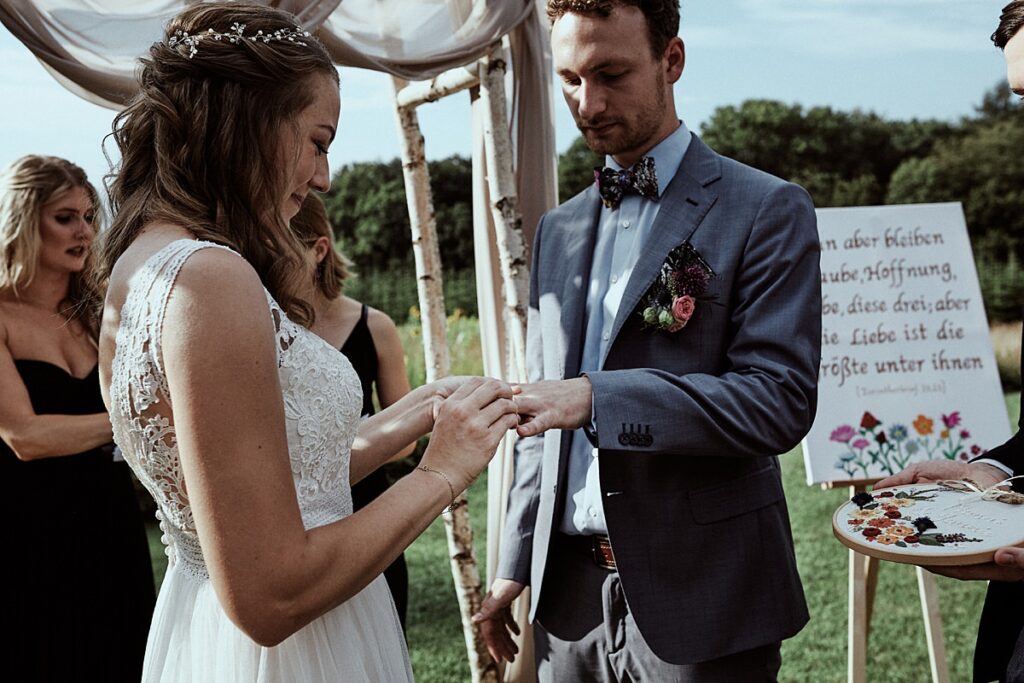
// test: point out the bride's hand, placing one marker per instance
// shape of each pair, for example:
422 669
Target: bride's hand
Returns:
470 423
445 387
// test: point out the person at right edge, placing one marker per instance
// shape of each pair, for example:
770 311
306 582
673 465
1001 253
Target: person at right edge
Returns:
999 653
673 348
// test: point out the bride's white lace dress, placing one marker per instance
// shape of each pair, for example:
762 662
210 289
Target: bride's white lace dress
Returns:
191 638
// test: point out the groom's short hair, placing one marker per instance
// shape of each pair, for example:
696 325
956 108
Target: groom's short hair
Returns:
1010 22
662 16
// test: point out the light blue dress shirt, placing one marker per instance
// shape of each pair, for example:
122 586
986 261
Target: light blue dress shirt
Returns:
621 235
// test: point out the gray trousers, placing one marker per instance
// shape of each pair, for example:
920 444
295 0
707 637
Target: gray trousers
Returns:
585 632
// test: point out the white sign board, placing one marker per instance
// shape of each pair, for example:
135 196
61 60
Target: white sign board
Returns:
907 369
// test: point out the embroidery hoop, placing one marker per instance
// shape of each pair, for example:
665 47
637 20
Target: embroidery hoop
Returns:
1005 528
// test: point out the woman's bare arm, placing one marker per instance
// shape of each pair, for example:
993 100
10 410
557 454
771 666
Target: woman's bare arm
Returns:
392 376
32 436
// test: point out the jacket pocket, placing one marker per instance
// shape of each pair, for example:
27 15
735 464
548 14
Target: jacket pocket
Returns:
747 493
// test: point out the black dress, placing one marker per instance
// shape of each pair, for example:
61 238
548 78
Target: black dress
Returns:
362 353
78 594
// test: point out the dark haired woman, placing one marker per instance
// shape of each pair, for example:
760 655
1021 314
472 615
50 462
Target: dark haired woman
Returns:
240 421
78 589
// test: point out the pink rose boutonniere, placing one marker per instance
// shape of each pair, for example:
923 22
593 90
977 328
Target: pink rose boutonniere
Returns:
672 299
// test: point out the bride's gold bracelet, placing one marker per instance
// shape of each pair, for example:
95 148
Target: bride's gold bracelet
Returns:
451 488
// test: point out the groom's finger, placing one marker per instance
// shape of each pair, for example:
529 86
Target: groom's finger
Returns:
511 622
540 422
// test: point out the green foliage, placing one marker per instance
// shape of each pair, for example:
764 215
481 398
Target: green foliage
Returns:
997 104
576 169
463 342
984 169
841 158
1002 282
394 292
370 217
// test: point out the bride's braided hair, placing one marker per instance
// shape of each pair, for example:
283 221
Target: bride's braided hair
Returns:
199 143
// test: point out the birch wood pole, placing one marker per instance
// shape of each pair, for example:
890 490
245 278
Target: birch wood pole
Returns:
465 572
515 276
504 203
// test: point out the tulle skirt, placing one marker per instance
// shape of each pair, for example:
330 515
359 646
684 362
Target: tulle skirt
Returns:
192 640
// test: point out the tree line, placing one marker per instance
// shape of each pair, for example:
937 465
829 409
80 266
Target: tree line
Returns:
843 158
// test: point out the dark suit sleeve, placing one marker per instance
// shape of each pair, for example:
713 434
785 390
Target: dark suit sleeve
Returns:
524 495
764 401
1010 453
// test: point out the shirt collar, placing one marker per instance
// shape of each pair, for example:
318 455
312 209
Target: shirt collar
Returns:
668 155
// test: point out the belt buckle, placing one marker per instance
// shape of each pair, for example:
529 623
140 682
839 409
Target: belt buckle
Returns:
601 550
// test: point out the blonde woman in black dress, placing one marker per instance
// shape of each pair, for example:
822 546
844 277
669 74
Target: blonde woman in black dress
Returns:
79 590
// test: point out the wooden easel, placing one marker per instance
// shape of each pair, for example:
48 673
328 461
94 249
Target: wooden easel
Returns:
863 581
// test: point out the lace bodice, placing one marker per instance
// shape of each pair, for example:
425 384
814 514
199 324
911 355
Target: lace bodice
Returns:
320 390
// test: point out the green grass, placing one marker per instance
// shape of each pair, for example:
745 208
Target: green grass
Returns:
897 651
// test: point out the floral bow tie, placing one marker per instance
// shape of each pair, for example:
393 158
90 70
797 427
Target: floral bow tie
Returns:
641 178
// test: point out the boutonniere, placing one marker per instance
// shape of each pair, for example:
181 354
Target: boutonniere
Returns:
672 299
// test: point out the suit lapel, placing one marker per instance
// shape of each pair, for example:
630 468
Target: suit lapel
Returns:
684 205
576 257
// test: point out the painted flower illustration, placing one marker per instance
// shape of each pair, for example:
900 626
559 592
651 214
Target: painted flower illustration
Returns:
871 447
843 434
923 425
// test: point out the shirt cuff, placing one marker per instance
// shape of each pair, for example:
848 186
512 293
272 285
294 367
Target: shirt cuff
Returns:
993 463
591 429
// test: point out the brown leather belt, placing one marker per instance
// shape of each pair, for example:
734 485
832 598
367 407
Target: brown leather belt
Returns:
597 548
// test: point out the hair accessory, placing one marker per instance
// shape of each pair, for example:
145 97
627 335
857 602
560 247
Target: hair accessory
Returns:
451 488
236 35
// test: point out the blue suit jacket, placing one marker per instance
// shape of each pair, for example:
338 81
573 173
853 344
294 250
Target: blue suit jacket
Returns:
695 510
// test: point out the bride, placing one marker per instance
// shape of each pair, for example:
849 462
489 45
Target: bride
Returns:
240 422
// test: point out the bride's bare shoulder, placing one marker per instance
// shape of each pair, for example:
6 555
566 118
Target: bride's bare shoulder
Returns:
213 271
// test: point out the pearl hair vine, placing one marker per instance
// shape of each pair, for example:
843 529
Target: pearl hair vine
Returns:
236 35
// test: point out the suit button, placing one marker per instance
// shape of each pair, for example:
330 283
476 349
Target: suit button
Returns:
624 439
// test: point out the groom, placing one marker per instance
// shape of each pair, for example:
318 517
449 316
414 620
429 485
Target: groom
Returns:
673 348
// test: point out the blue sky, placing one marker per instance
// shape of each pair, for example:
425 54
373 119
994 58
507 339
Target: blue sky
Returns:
900 58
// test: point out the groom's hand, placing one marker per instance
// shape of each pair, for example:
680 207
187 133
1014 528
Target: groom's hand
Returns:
554 404
495 619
